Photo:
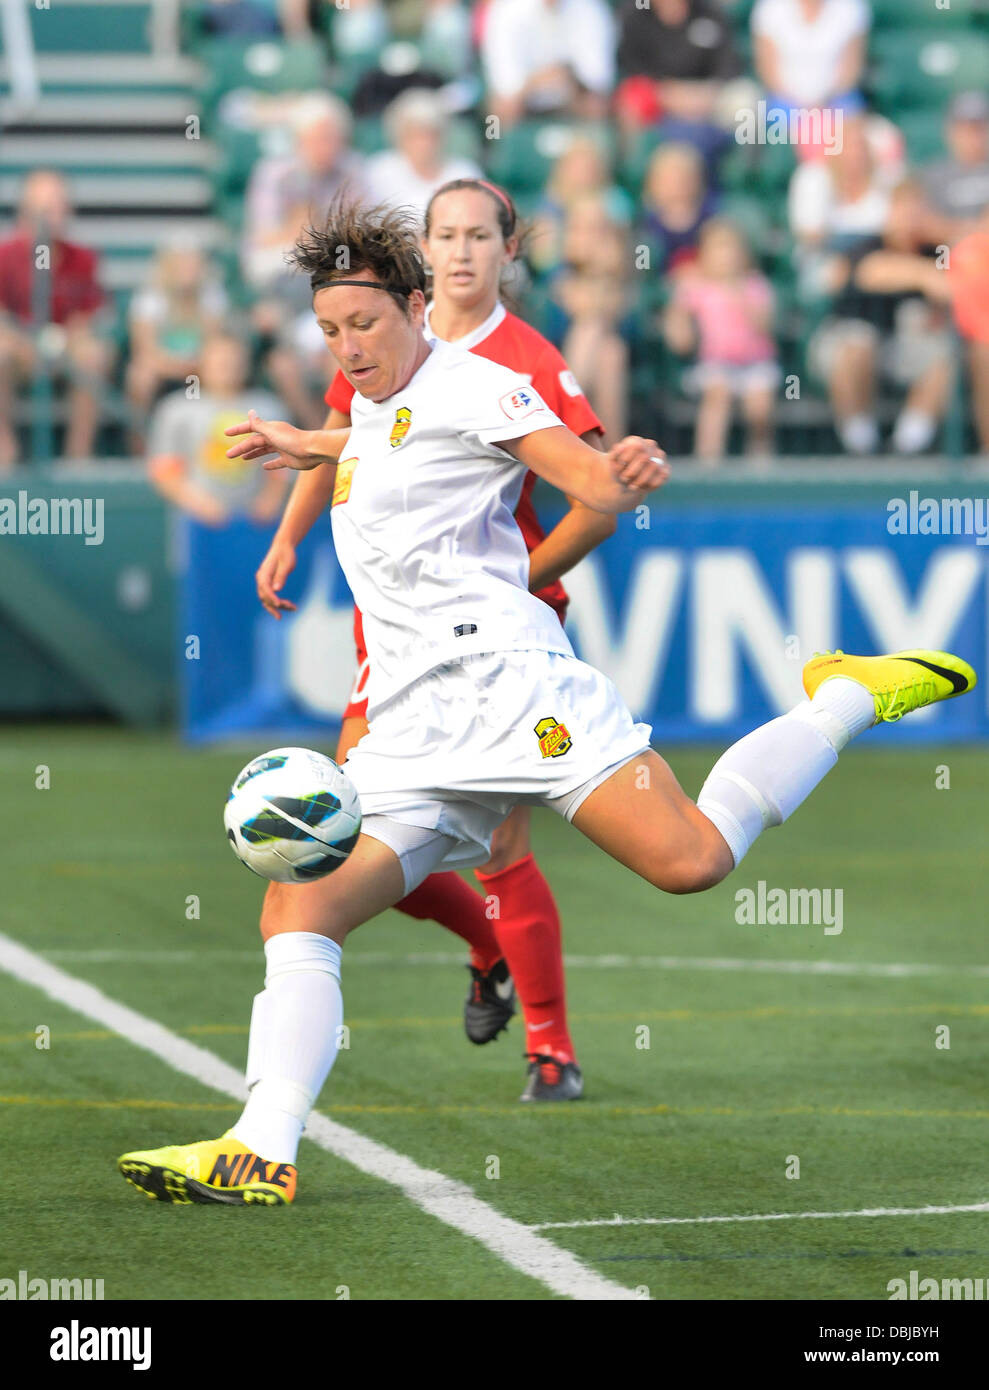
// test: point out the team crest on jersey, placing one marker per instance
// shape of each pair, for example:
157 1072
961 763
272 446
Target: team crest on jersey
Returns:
554 738
403 421
343 480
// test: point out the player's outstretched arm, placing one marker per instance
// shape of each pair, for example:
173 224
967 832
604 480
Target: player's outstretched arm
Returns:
293 448
613 482
574 535
310 496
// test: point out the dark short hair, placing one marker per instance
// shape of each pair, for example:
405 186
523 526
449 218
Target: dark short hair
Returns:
380 244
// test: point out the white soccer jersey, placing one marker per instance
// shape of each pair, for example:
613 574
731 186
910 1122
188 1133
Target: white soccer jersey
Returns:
423 520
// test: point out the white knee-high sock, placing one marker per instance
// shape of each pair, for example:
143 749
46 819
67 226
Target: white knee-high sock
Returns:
293 1041
763 778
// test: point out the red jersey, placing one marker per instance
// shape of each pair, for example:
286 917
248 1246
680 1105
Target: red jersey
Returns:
509 340
74 288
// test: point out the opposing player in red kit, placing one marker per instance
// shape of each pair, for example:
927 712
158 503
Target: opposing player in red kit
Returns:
513 927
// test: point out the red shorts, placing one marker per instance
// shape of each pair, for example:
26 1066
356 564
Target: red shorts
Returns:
357 705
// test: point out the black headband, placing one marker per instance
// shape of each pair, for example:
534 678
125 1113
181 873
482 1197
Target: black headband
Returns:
323 282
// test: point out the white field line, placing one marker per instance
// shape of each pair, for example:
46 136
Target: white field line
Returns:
450 1202
891 970
769 1216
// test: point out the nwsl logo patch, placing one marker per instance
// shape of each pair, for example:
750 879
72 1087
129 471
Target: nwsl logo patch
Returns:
521 403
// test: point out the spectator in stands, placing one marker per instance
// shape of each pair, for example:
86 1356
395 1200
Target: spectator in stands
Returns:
723 308
407 174
285 190
811 53
958 187
838 209
887 321
846 195
591 292
904 294
50 308
283 195
548 56
676 202
187 449
969 281
169 321
674 57
583 168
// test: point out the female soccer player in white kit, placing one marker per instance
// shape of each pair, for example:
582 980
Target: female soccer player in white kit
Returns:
477 702
470 234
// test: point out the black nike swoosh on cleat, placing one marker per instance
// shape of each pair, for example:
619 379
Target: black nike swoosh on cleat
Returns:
956 678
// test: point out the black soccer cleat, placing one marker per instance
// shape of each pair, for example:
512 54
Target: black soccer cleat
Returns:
490 1002
552 1080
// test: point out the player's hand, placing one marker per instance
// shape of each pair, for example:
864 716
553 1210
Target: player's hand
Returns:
289 445
639 463
275 568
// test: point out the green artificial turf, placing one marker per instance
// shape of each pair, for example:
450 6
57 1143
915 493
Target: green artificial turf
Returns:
704 1080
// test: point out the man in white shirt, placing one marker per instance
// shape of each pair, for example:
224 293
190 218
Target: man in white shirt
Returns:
543 56
409 173
811 52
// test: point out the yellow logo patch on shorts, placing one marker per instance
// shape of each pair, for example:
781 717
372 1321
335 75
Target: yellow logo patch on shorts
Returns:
554 738
403 422
341 484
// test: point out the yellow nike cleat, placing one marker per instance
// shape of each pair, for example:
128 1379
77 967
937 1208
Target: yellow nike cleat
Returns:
899 683
216 1170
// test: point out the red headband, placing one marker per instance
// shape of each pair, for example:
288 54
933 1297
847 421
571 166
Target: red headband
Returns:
483 183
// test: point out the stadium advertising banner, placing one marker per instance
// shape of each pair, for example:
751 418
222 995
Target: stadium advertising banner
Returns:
703 616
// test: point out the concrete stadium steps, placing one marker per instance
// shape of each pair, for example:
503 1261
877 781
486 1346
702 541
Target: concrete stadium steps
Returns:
98 110
135 234
121 155
115 123
178 192
140 74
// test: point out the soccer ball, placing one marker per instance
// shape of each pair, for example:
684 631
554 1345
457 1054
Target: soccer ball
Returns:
292 815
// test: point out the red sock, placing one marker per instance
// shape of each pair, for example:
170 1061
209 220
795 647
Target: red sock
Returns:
528 927
447 899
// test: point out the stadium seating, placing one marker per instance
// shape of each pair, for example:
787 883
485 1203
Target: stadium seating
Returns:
262 66
118 119
122 99
921 68
918 14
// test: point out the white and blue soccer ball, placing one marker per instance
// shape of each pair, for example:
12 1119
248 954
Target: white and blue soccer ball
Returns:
292 815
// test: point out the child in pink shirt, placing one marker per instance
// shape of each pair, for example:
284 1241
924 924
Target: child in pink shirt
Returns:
724 309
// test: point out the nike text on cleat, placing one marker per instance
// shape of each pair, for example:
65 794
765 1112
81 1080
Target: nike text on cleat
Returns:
550 1079
899 683
490 1002
215 1170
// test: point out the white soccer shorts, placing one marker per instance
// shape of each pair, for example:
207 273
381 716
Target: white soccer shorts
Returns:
457 750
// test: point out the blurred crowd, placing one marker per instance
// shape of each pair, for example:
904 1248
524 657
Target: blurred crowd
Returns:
886 259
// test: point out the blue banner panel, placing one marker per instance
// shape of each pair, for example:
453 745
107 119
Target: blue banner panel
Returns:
705 618
702 616
241 670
